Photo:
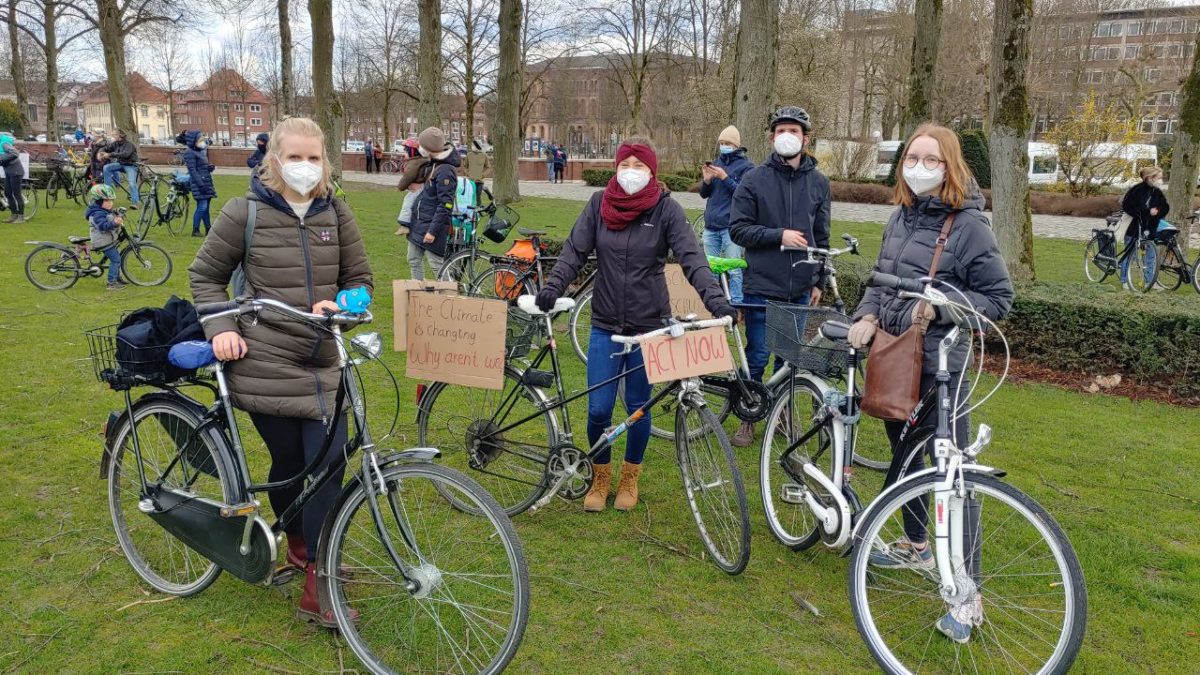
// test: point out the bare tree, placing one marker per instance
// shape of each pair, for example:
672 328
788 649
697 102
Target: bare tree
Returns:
168 63
429 63
754 80
471 40
1009 115
16 68
287 85
326 105
48 25
546 38
636 38
506 125
1186 154
387 38
922 76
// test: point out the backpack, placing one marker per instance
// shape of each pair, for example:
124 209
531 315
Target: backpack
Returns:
238 281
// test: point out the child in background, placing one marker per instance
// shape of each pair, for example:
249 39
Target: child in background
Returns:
412 181
104 222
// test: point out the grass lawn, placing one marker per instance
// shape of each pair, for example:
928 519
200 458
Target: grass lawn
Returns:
611 592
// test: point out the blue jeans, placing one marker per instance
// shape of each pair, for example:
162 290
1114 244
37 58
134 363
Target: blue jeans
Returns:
757 353
1131 250
550 171
114 262
603 365
717 243
131 173
201 215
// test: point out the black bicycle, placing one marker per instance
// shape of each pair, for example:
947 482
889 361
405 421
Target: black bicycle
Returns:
435 589
170 209
1101 258
29 191
52 266
67 178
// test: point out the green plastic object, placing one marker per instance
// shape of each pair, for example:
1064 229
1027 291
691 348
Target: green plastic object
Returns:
723 265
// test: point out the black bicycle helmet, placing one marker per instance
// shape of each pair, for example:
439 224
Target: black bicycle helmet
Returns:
790 113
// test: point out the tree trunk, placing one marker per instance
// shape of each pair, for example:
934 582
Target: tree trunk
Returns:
754 75
1186 154
922 74
112 38
429 64
326 106
287 88
17 67
49 22
1008 113
506 128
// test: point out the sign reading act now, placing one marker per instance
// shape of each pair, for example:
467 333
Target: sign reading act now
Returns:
696 353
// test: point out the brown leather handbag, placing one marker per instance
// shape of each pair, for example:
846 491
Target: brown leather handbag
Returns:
893 385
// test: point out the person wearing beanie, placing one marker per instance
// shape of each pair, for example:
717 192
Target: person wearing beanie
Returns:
631 226
719 180
430 227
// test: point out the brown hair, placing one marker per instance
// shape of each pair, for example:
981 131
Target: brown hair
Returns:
958 174
269 173
1151 171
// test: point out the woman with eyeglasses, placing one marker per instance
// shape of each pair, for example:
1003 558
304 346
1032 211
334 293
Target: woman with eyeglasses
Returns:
935 185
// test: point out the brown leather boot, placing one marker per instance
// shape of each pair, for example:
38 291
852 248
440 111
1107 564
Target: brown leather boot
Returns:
310 609
297 551
627 487
597 497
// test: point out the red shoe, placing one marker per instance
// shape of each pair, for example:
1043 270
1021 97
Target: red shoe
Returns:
310 606
297 551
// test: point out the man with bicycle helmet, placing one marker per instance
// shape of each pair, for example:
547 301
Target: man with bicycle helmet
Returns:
104 224
784 202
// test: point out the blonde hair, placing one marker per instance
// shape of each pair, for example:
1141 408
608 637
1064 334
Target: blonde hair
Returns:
269 173
958 174
1151 171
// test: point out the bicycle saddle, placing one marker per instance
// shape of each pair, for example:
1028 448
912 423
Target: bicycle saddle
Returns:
835 330
79 240
530 233
528 304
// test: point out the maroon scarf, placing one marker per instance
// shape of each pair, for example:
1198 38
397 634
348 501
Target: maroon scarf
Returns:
618 209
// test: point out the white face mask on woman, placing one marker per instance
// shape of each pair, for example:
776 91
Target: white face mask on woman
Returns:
921 180
788 145
632 181
300 176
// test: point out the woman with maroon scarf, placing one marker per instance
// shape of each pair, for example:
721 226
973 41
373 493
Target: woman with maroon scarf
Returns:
631 226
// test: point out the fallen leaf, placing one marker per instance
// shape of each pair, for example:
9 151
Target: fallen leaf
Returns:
1092 388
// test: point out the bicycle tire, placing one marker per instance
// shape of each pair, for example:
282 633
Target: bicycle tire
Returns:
698 227
462 267
504 281
793 525
52 190
32 199
1143 267
458 600
60 263
1093 270
579 322
450 428
175 423
148 257
863 579
1196 275
1171 266
732 553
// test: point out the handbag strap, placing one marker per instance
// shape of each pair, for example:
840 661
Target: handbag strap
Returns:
943 236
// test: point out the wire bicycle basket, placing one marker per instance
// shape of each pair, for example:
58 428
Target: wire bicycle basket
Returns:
519 338
121 364
793 335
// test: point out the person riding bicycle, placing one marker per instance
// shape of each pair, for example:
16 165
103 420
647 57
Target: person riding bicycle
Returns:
14 174
104 223
936 184
632 225
305 247
1146 205
785 201
122 156
200 174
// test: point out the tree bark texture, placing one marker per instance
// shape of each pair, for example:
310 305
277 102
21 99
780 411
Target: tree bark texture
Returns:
429 64
754 75
50 25
112 38
287 88
326 105
922 74
17 67
506 128
1186 154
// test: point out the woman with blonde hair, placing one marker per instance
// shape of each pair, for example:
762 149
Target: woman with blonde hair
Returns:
939 205
304 246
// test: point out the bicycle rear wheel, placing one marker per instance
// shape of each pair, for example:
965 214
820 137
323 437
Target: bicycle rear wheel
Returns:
32 199
173 455
1143 266
52 268
1023 597
713 486
580 325
462 267
1171 266
1096 266
468 610
1196 275
788 516
503 281
145 264
52 188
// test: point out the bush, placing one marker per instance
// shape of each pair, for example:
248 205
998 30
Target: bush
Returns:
860 193
553 248
975 151
598 177
676 183
891 177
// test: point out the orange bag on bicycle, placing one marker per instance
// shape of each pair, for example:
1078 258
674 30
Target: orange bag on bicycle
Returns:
507 285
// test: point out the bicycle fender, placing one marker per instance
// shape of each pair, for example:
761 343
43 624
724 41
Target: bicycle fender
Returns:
55 244
973 468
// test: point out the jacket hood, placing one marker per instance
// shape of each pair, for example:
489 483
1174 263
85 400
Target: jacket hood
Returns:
93 209
731 158
266 195
932 205
780 164
452 159
261 140
190 138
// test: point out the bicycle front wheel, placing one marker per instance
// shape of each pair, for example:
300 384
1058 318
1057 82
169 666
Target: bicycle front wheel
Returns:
1195 275
52 188
462 267
713 486
52 268
1096 266
1171 267
145 264
503 281
32 200
1022 604
789 518
464 604
580 323
1143 266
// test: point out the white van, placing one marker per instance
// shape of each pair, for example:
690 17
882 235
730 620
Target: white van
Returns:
1043 164
1119 164
885 156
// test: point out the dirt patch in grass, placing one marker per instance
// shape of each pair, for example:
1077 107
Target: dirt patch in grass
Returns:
1024 371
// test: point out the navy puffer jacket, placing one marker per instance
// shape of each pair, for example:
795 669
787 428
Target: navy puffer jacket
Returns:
432 211
196 160
719 193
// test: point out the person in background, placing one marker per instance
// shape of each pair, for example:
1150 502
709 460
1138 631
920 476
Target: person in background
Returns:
560 163
631 226
122 157
78 134
14 173
431 217
548 150
936 183
103 226
416 173
1146 204
200 171
369 152
784 202
260 149
377 156
96 158
719 181
307 247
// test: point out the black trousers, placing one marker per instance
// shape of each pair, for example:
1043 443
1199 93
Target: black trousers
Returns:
294 442
12 192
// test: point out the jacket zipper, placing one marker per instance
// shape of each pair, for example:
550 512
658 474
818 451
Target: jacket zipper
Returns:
791 205
303 232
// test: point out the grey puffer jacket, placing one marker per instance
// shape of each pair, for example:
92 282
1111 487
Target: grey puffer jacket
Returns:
290 369
970 262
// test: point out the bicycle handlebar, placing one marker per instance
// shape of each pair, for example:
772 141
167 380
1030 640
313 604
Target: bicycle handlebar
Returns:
881 280
210 311
674 330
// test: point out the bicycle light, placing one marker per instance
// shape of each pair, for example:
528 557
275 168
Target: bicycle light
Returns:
368 344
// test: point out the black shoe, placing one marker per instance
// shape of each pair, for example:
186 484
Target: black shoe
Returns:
196 233
133 207
115 285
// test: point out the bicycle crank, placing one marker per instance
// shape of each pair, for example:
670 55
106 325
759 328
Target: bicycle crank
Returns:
569 471
822 497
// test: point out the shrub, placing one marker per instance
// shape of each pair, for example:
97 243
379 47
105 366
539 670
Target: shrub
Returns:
860 193
975 151
676 183
895 170
553 248
598 177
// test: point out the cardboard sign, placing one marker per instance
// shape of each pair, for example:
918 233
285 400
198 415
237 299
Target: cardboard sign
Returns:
400 290
697 352
456 339
684 299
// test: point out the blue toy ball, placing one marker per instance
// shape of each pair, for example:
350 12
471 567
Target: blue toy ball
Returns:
354 301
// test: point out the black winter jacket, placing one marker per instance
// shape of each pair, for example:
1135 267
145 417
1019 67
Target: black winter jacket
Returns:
199 168
121 152
971 262
719 193
630 293
1138 201
771 198
432 211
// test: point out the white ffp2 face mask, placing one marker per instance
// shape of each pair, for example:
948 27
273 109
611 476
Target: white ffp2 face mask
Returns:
788 145
633 181
922 180
301 176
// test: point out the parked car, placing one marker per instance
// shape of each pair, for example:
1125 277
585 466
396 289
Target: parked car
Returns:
355 146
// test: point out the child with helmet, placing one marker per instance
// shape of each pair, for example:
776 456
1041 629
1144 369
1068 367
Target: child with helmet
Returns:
104 224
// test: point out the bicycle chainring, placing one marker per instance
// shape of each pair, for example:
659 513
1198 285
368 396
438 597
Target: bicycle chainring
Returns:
572 463
754 404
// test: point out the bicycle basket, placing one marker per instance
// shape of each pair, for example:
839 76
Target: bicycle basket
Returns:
792 335
120 363
521 330
500 224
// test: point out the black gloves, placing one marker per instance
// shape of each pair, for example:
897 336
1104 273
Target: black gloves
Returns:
727 310
546 298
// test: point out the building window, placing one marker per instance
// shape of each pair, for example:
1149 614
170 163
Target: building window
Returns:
160 110
1135 28
162 131
237 107
222 119
145 110
222 106
254 107
256 121
240 121
1131 51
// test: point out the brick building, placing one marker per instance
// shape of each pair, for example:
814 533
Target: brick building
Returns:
149 103
225 106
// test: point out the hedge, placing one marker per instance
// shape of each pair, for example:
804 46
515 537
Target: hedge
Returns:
975 151
600 178
1042 203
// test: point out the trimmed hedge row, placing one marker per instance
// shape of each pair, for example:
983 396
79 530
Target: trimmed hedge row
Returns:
1042 203
600 178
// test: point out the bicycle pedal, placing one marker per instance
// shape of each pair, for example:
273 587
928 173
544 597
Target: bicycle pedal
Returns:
285 573
791 493
238 510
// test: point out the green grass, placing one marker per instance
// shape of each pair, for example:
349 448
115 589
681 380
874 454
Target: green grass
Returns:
611 592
